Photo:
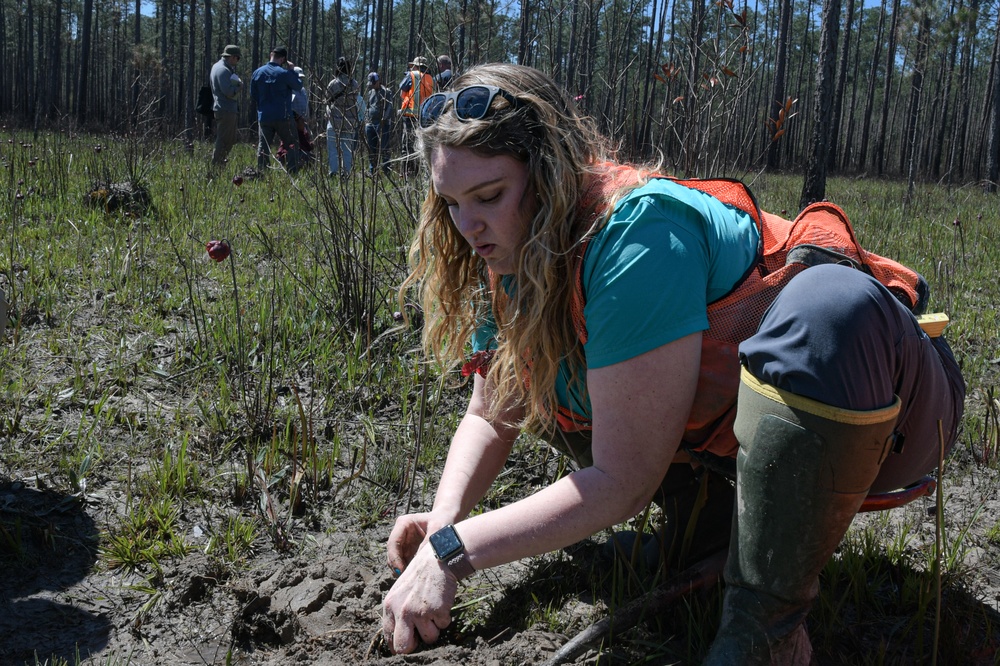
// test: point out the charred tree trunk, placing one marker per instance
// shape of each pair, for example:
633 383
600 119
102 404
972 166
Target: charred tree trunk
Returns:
206 57
293 30
188 88
522 42
690 130
814 185
55 42
412 39
81 95
847 154
838 99
916 90
993 157
777 103
866 121
314 35
256 36
136 41
890 66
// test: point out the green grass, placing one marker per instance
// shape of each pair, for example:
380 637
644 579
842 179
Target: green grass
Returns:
273 389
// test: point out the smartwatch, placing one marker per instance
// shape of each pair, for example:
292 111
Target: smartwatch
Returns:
448 548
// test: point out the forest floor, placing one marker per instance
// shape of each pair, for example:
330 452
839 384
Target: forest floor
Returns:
318 600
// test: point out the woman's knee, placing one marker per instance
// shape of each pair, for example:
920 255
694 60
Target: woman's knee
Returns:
832 335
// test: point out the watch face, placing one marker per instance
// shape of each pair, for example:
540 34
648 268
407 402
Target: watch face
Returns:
445 542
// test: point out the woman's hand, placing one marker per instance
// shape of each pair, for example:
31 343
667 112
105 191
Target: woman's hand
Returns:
419 603
408 534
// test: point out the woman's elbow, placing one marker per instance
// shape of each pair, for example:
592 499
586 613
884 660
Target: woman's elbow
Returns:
637 505
634 498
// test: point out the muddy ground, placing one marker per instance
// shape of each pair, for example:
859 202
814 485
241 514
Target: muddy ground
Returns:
314 595
320 602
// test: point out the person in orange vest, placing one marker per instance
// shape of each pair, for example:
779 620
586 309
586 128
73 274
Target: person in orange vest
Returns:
659 332
415 87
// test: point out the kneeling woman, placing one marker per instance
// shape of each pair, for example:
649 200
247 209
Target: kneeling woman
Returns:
620 314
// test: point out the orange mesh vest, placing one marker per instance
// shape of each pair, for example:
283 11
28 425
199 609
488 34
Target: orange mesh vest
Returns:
421 87
788 247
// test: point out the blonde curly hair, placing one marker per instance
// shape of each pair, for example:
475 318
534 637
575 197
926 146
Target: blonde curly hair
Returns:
535 330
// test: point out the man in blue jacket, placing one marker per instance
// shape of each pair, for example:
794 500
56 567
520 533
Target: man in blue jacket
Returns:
271 88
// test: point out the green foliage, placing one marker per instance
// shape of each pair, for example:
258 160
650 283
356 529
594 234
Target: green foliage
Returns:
147 535
234 540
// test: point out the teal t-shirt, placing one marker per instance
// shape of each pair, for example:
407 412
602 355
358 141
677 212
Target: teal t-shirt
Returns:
666 252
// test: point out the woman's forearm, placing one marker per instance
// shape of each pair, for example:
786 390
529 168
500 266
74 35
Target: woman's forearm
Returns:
477 454
636 433
573 508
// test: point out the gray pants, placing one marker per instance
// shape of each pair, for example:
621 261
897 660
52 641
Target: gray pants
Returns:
834 334
225 135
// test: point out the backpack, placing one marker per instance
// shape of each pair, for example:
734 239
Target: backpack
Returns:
206 102
343 101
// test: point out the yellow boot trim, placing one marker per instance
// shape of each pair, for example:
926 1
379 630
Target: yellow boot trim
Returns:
820 409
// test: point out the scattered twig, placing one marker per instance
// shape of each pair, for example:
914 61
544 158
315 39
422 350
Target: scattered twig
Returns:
700 575
938 527
418 436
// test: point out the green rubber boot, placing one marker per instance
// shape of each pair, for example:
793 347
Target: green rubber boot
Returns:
802 472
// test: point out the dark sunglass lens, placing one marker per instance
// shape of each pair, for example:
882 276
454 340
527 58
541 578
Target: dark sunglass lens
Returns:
431 109
472 103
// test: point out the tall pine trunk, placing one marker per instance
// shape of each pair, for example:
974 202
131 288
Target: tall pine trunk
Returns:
890 66
81 89
916 90
777 102
838 99
814 184
993 157
188 88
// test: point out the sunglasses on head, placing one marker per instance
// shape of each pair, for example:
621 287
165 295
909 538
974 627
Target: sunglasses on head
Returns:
469 103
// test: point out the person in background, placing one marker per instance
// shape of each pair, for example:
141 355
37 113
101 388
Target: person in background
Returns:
205 107
628 319
300 98
271 88
443 77
225 84
342 118
300 109
415 87
378 123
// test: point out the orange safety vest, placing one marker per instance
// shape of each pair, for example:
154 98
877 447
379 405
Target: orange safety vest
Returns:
788 248
421 87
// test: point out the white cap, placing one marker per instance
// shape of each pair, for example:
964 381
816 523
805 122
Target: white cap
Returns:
298 70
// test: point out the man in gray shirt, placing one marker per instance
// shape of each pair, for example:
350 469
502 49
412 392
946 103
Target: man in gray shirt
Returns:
226 86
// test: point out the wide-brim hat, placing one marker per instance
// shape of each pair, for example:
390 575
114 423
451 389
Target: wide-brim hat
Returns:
419 61
231 50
